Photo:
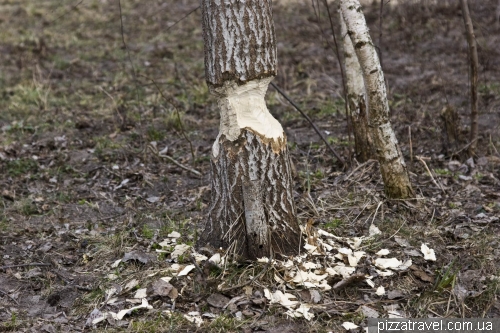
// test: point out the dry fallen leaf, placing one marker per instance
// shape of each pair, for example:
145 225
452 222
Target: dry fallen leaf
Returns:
164 288
218 300
140 256
369 312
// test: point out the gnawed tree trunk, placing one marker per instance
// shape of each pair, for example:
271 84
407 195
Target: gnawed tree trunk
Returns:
252 212
474 64
392 166
356 100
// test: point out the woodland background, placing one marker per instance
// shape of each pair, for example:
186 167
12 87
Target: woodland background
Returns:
88 102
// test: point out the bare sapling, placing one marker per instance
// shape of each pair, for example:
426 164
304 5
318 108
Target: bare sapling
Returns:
356 99
392 166
474 65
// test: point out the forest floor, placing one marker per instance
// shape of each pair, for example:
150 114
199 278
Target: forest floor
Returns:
95 219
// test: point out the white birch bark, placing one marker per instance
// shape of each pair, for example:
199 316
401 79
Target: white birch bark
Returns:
252 212
392 165
356 99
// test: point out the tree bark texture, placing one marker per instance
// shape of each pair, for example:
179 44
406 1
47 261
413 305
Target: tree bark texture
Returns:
474 64
240 43
252 213
392 166
252 208
356 99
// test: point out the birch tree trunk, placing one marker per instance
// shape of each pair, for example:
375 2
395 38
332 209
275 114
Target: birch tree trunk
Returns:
252 212
392 166
474 64
356 99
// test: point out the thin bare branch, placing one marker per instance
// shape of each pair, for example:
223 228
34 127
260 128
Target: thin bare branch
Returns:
316 129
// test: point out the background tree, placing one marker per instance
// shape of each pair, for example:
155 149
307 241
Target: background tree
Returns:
356 99
474 64
252 211
392 166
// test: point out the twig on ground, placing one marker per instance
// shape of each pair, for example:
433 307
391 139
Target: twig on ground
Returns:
357 168
23 265
198 268
7 294
411 145
350 280
430 173
180 165
492 145
316 129
241 285
175 162
463 148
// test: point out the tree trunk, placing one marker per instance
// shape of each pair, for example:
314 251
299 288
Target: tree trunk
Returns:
356 100
474 64
252 212
392 166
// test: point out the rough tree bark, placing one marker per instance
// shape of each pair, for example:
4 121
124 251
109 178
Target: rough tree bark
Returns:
252 212
356 100
392 166
474 64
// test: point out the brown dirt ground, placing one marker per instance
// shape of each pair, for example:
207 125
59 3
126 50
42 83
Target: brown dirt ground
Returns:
82 183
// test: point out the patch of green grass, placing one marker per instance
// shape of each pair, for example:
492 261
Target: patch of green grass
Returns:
489 88
147 232
173 120
154 134
446 277
333 224
160 324
63 197
29 97
224 324
21 166
18 127
442 172
25 207
4 225
12 324
478 176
